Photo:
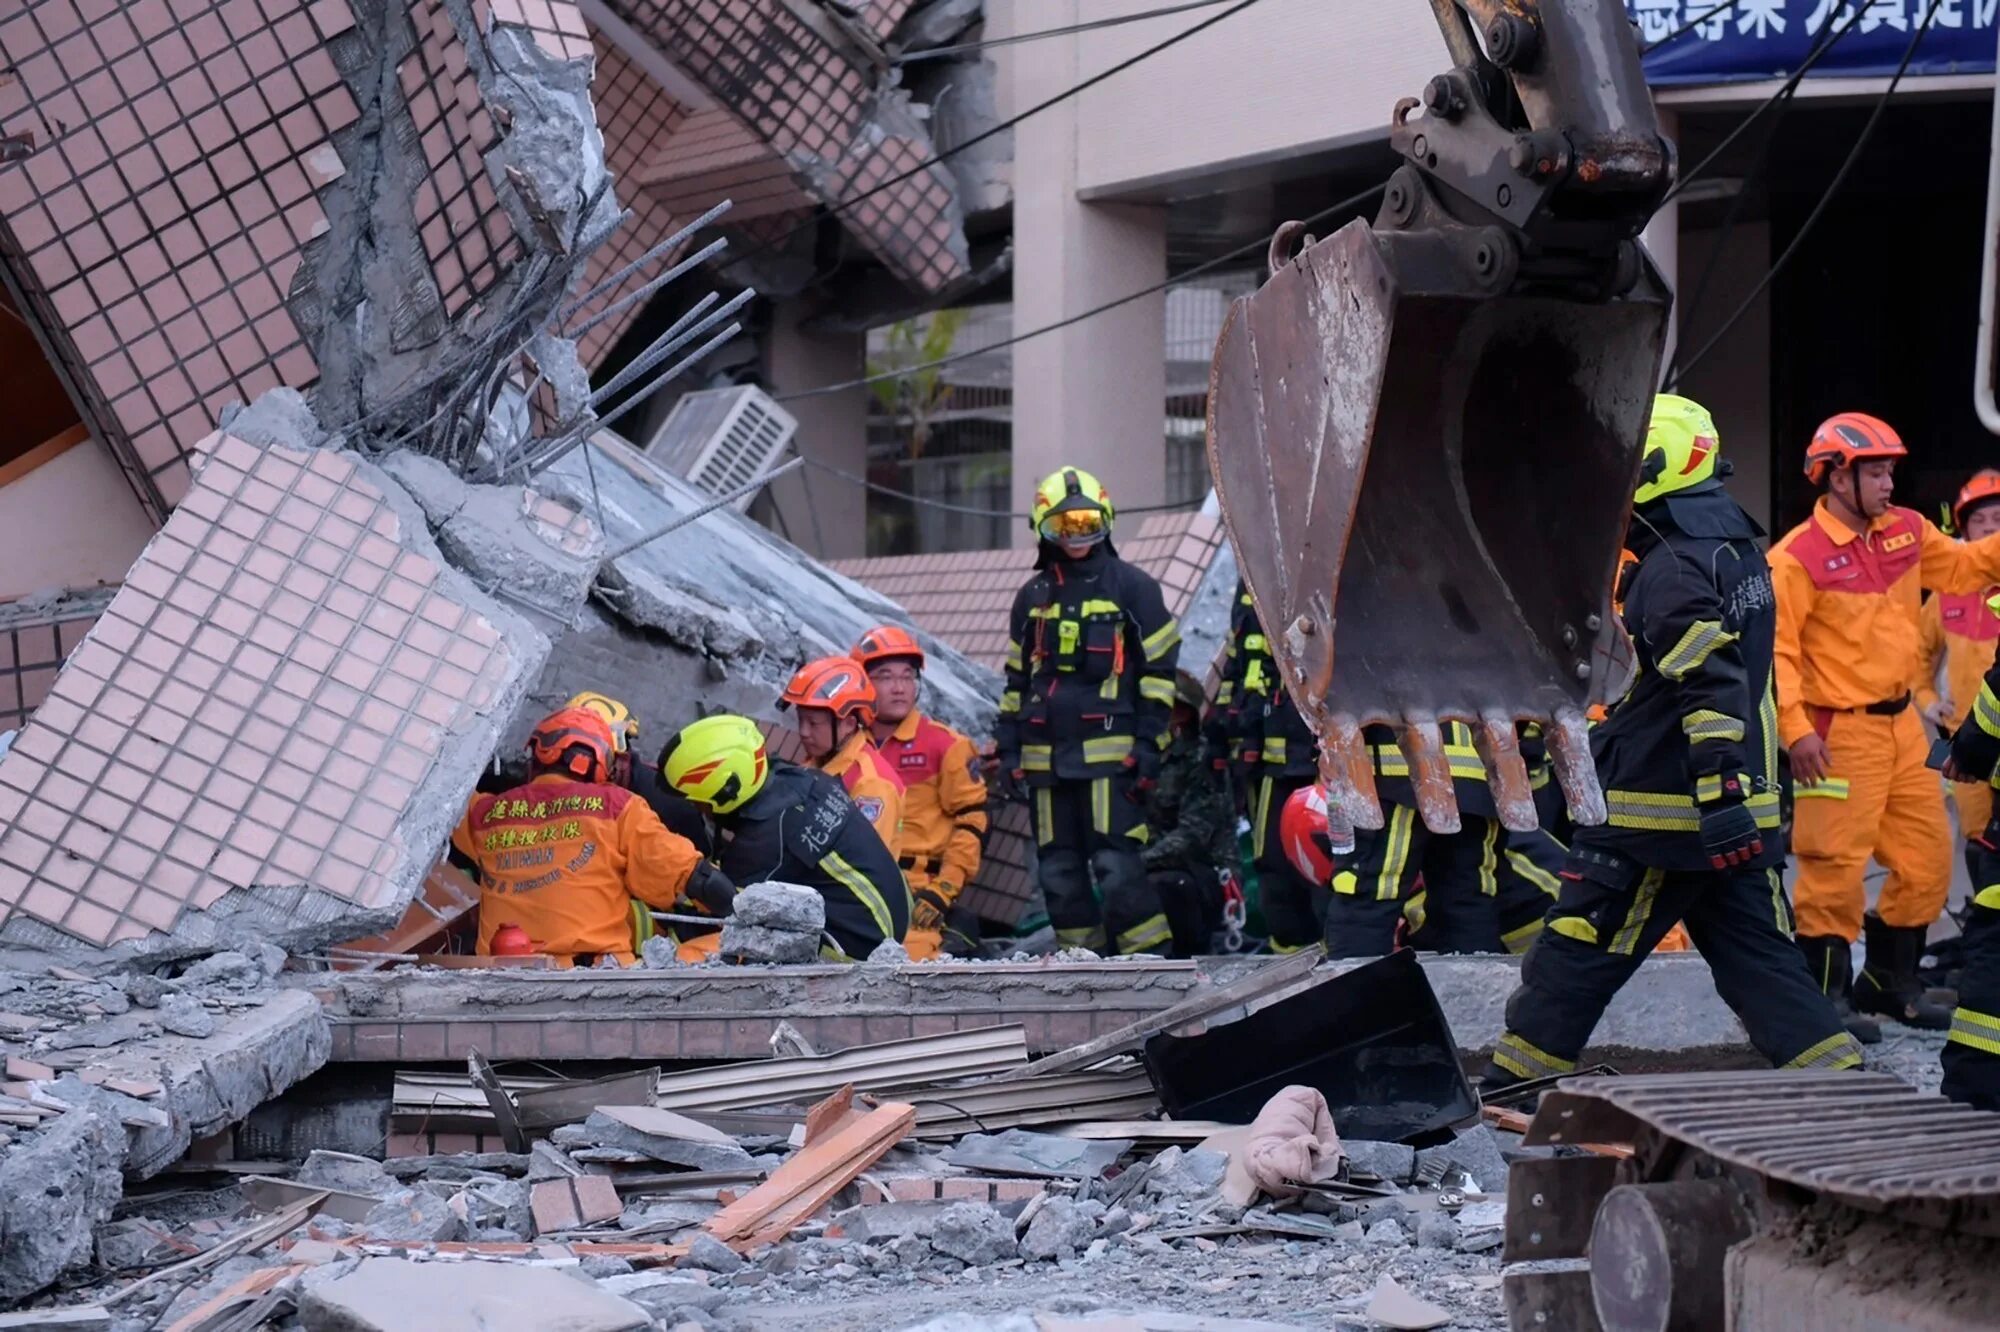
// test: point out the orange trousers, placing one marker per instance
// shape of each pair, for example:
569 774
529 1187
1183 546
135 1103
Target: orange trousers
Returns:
1881 801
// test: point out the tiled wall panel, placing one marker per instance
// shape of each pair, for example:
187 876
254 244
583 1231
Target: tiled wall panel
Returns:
31 652
178 148
257 705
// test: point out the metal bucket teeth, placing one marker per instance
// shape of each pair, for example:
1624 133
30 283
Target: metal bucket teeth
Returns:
1346 777
1506 774
1422 743
1569 753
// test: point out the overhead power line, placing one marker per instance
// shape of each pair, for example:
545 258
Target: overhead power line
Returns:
988 44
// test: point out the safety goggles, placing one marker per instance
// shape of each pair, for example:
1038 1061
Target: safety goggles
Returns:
1078 524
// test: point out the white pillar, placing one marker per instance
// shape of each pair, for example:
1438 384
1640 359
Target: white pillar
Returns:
1662 238
824 514
1092 395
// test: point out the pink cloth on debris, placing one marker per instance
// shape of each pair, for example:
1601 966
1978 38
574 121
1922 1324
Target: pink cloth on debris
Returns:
1292 1142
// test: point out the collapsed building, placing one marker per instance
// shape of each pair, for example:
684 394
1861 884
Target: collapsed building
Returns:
324 315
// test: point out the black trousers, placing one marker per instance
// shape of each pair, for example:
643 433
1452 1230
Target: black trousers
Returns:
1193 904
1609 918
1292 903
1087 838
1484 889
1971 1056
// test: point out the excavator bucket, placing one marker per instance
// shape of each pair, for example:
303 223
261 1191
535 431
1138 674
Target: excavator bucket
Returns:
1426 468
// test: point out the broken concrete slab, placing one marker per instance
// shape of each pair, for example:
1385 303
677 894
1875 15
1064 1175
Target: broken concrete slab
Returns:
781 906
975 1234
568 1204
347 1173
399 1295
163 803
662 1135
414 1215
56 1186
755 943
1018 1152
740 608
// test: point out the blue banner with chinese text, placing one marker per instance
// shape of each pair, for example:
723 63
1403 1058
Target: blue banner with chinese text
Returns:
1769 39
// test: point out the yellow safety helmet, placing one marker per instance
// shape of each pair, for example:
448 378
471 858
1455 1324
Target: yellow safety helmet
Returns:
717 762
1682 453
624 730
1071 505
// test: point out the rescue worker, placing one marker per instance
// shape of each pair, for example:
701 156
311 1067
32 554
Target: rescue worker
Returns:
835 702
1971 1054
1279 754
1689 765
1957 638
643 779
1192 818
1848 585
944 796
563 856
1084 717
790 824
1483 888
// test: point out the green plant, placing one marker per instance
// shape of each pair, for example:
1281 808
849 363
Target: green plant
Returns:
918 392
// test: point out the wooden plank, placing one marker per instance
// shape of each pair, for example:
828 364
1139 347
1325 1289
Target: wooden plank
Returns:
78 1318
1259 983
45 452
830 1116
248 1241
813 1175
238 1295
581 1200
1513 1121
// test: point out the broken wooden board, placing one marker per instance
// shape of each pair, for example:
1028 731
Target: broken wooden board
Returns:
275 1195
566 1204
830 1116
237 1297
77 1318
1263 982
812 1176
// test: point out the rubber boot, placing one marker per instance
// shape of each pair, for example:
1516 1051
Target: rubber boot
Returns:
1888 983
1830 960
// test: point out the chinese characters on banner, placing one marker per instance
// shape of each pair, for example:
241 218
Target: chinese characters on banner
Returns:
1710 41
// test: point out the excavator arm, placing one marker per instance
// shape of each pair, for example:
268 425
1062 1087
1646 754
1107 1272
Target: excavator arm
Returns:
1425 431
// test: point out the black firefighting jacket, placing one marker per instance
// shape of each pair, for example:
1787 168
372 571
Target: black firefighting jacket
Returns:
1254 720
802 828
1090 671
1702 615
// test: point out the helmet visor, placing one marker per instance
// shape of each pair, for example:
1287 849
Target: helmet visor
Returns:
1083 523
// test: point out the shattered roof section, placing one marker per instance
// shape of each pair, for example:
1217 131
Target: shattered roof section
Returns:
633 113
263 704
819 110
171 191
712 156
964 597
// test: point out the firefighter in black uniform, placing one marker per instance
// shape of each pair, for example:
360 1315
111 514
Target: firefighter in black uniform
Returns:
783 823
1689 765
1084 720
1275 754
1971 1055
1484 888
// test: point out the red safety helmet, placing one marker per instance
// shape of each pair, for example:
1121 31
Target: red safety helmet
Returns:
888 642
1850 437
576 741
1303 831
838 684
1983 488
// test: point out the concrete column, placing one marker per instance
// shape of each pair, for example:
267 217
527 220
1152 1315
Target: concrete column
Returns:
1093 394
824 515
1662 238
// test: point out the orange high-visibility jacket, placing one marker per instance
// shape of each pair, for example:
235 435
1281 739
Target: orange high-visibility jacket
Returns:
944 804
1848 607
1957 630
872 784
563 859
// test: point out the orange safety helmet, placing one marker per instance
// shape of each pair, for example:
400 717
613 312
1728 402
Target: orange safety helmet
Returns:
1847 438
576 741
1983 488
838 684
887 642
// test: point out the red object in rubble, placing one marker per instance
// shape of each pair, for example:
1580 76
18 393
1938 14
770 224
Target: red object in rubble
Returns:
511 941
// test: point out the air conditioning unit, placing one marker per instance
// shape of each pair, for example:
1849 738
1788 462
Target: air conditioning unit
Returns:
720 439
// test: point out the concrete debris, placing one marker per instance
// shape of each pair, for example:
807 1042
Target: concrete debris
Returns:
1391 1162
662 1135
1019 1152
399 1295
1476 1152
753 943
1392 1306
709 1254
1061 1229
347 1173
781 906
975 1234
415 1215
185 1016
54 1190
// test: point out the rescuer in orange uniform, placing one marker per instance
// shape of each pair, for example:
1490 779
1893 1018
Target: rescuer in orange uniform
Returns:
836 706
563 856
1848 581
944 796
1959 635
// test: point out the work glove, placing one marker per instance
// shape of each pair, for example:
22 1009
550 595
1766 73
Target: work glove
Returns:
1009 782
1729 832
1973 753
710 889
1144 764
927 908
